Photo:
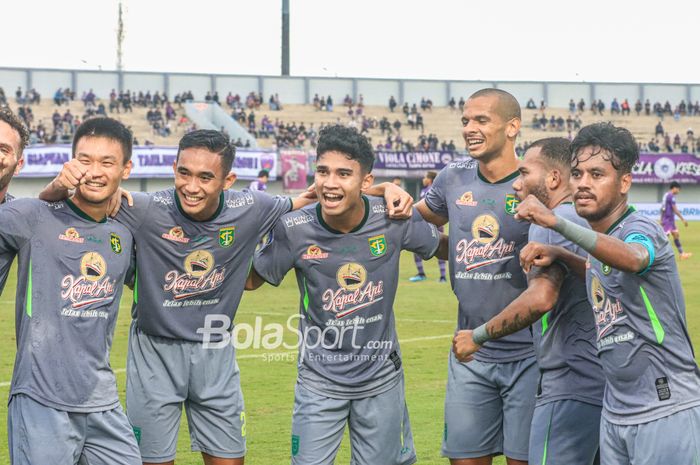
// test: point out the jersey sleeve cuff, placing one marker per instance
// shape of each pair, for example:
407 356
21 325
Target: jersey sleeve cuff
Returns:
639 238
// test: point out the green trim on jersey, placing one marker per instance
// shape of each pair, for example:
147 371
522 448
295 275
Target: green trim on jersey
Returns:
545 323
628 212
510 177
334 231
28 300
306 298
82 214
546 439
655 323
216 213
136 286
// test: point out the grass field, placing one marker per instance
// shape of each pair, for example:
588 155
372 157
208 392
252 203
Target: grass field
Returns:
426 315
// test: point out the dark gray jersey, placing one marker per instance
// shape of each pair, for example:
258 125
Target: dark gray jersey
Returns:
6 260
643 340
71 274
485 243
189 269
347 284
565 338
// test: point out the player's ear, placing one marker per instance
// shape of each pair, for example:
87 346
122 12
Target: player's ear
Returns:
554 179
513 128
229 180
367 181
625 183
127 170
20 164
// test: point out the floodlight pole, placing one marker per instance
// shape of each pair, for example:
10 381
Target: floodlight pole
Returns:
285 37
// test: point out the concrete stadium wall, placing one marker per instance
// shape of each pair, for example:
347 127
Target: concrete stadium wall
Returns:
299 90
336 88
378 91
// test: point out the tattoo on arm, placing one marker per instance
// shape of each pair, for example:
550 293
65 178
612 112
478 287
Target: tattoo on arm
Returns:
510 326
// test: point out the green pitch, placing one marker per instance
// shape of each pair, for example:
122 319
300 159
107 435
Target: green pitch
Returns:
425 314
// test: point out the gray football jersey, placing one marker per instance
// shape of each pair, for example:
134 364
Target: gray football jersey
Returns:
6 260
642 336
347 283
71 274
485 243
188 269
565 337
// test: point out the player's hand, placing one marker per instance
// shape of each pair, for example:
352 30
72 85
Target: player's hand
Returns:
536 212
115 202
399 203
463 345
536 254
309 193
72 175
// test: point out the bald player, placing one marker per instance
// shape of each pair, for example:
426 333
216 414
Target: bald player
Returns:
490 400
566 422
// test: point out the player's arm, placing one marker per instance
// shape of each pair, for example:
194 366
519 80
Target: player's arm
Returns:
429 215
399 203
305 198
678 214
539 298
254 281
631 255
542 255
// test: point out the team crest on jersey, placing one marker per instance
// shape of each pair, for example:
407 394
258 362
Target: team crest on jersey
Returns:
607 269
116 243
314 252
201 276
354 293
377 245
467 200
485 229
512 203
606 312
92 286
71 235
176 234
227 236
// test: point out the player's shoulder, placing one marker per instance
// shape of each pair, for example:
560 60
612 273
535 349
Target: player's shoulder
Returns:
160 199
567 211
238 199
300 219
635 222
466 164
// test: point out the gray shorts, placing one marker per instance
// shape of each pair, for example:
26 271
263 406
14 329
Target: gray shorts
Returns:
164 374
38 434
565 432
672 440
380 432
488 408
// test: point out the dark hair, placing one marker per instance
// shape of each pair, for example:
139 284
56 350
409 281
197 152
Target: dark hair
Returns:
263 174
675 184
214 141
431 175
108 128
15 123
555 150
614 144
347 141
508 106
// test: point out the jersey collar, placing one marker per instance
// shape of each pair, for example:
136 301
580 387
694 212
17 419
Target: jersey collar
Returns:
335 231
216 213
82 214
627 213
510 177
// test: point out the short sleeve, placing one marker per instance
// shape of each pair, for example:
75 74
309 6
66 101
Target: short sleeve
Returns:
274 259
649 235
420 237
133 217
271 208
19 221
435 197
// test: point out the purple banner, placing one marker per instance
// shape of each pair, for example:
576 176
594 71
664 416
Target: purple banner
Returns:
413 160
662 168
